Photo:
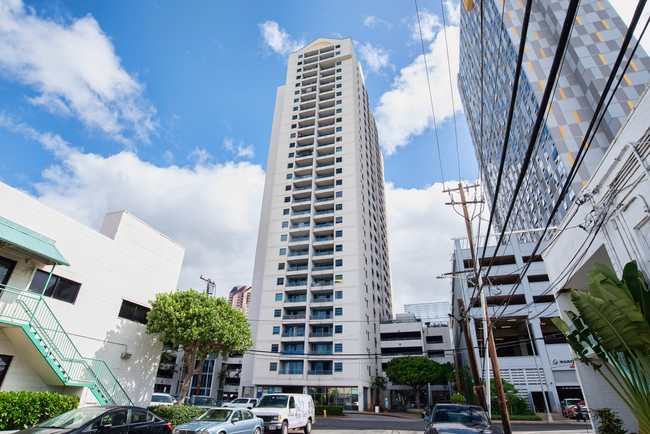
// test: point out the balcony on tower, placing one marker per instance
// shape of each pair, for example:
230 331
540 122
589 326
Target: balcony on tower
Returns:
293 331
320 368
293 348
320 331
321 349
295 297
294 314
291 367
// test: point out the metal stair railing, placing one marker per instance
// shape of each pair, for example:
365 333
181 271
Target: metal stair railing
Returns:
29 310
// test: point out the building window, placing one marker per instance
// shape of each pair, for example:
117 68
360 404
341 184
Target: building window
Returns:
338 278
339 234
339 262
338 348
339 206
339 170
299 56
338 86
293 126
339 194
338 139
274 348
338 248
339 182
339 220
339 62
278 296
287 199
283 237
339 93
289 175
291 154
338 328
338 311
283 252
133 312
277 313
285 224
281 266
273 366
58 287
5 361
295 109
339 119
339 110
280 281
287 188
296 100
276 330
290 166
338 367
285 211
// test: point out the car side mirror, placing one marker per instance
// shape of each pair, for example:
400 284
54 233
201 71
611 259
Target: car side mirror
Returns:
106 424
235 419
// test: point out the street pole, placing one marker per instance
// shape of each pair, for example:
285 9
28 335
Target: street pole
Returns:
471 354
503 407
208 282
549 416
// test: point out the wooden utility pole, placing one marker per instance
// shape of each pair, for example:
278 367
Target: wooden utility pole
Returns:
471 354
492 350
457 374
208 282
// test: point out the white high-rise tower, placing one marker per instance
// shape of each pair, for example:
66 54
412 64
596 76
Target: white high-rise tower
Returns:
321 284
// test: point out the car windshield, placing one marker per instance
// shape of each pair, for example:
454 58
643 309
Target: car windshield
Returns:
74 418
203 400
217 415
459 414
240 401
161 398
273 401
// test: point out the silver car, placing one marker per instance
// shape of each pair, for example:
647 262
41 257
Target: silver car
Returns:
223 421
241 403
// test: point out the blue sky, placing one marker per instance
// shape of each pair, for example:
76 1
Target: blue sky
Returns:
164 108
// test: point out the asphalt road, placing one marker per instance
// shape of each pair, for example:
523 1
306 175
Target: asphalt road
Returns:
387 425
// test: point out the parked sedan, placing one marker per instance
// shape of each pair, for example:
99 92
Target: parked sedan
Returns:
162 399
241 403
459 419
223 421
107 419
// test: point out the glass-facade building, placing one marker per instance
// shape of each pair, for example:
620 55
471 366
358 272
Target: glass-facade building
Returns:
596 39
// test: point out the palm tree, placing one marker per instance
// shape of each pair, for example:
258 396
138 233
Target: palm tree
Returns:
378 384
611 333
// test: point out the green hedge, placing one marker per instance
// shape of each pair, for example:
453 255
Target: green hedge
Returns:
19 410
457 397
332 410
177 414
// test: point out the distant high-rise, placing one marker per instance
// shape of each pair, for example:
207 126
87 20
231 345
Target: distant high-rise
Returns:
432 313
240 298
596 39
321 277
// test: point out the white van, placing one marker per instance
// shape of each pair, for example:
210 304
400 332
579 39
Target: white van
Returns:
285 411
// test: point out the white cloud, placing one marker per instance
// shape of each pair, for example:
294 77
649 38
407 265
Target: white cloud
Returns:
420 230
453 12
278 39
239 150
375 57
429 24
211 209
74 71
626 10
371 21
200 156
405 110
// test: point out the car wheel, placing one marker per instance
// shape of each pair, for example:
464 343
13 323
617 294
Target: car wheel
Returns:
285 427
307 427
257 431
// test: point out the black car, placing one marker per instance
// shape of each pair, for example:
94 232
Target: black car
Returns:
111 419
459 419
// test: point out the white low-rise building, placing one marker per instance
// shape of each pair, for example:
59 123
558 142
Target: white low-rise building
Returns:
608 224
86 335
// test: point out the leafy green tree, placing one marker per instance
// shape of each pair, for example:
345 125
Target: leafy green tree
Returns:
202 325
611 333
516 404
415 372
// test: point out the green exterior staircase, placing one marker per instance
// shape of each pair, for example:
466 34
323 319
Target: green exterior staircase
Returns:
30 312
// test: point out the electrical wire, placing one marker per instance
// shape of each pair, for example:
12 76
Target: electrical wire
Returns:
599 113
433 112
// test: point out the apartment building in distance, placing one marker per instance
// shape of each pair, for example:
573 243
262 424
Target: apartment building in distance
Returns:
432 313
240 298
321 275
595 41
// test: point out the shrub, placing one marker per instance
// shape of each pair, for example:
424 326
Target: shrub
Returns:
332 410
457 397
19 410
177 414
608 420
